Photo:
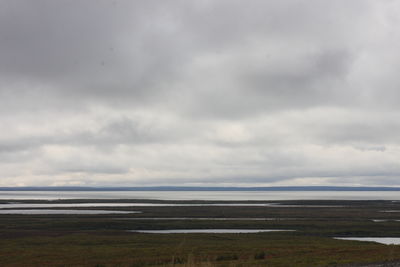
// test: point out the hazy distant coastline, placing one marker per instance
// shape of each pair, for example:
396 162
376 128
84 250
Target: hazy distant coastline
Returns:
180 188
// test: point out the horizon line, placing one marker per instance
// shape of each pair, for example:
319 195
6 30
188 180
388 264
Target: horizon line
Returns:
199 188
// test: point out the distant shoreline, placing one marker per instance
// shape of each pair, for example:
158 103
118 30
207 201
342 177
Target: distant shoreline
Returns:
181 188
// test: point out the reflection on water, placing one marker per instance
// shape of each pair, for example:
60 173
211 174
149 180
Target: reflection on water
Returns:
382 240
44 211
209 219
212 231
76 205
204 195
390 210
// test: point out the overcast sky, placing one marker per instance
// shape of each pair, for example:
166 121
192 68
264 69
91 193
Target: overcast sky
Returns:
202 92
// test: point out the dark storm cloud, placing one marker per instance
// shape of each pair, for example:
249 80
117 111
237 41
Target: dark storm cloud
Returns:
160 92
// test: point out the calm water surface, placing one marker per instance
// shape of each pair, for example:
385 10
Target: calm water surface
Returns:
44 211
77 205
212 231
382 240
208 219
204 195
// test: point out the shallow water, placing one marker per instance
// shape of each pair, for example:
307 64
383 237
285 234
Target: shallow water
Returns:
390 210
209 219
75 205
46 211
385 220
204 195
382 240
213 231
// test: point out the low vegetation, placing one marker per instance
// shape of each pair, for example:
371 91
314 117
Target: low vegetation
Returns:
102 240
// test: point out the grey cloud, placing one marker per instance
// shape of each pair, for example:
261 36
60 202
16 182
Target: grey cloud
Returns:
93 168
312 83
262 92
118 51
85 51
115 132
360 128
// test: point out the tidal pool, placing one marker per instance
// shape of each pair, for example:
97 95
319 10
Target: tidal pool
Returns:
382 240
208 219
14 205
46 211
385 220
390 210
76 205
206 231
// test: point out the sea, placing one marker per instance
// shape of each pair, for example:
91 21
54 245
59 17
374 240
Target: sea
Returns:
203 195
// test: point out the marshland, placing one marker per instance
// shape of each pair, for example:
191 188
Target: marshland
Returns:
271 233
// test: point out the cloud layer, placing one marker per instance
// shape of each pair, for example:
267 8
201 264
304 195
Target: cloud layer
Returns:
199 92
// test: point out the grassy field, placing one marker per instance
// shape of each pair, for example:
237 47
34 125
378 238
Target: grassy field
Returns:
102 240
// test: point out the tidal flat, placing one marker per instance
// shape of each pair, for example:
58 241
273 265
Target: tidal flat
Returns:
104 240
